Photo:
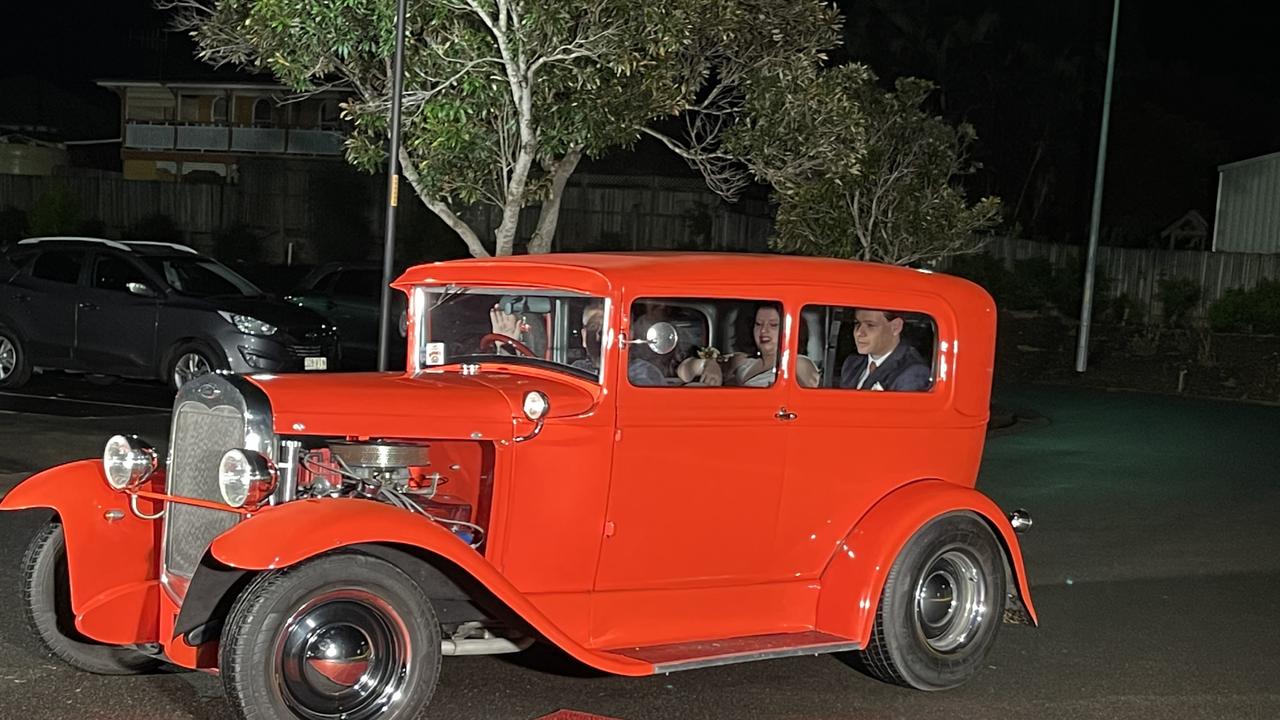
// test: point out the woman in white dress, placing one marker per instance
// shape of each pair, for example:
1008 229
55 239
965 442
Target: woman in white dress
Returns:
743 370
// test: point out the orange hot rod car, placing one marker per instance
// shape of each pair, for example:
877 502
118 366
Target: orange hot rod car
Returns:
655 462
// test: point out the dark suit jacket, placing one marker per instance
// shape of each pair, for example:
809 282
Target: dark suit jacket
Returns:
903 370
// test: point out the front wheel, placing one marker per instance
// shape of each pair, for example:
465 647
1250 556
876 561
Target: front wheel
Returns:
15 366
941 606
342 636
190 361
46 595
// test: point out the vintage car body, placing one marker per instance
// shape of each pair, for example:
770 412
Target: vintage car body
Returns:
640 529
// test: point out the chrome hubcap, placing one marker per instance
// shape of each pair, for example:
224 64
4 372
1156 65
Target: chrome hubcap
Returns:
950 601
190 366
8 357
344 655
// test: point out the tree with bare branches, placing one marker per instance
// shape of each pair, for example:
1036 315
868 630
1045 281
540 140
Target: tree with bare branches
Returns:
503 98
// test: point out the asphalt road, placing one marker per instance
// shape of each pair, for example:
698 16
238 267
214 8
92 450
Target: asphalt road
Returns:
1155 565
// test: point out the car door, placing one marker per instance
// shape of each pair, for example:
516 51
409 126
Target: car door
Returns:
697 472
847 447
116 319
41 303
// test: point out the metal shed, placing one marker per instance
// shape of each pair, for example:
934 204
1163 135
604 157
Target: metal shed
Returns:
1248 209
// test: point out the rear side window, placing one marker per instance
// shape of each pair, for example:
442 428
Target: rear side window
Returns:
113 273
358 284
865 348
61 266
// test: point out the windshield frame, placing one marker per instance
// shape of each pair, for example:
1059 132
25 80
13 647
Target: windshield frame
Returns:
564 322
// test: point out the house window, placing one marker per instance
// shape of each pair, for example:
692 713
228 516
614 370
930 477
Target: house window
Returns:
262 113
330 115
219 110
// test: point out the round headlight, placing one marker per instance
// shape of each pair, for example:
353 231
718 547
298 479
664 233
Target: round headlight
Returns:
245 478
127 461
536 405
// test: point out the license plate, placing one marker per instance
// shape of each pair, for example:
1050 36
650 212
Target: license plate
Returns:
315 363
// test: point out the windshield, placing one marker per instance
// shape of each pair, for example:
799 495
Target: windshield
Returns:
203 277
555 329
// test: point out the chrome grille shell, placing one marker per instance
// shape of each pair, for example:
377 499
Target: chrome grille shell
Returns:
211 415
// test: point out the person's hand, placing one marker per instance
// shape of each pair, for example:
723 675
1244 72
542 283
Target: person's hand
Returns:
711 374
504 323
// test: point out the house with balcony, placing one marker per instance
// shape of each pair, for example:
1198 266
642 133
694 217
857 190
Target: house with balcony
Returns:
206 131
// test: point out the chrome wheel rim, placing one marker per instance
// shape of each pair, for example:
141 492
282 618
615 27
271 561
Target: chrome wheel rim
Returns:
189 367
950 601
344 654
8 357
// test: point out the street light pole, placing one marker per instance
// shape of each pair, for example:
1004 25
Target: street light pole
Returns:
393 189
1086 304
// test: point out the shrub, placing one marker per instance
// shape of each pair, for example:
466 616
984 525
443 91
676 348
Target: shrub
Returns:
1178 296
13 225
1248 311
57 212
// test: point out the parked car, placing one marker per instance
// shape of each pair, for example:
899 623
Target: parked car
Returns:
325 541
349 296
145 310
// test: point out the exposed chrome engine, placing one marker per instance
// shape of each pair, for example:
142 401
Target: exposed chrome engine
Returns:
398 473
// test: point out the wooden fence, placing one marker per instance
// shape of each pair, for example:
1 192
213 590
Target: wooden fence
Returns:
1137 272
598 211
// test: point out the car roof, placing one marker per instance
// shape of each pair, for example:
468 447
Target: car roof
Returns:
692 269
141 247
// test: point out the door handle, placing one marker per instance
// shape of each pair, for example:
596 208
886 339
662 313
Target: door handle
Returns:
785 415
22 298
87 306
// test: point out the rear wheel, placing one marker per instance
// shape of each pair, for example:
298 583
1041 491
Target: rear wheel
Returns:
941 606
46 595
344 635
15 366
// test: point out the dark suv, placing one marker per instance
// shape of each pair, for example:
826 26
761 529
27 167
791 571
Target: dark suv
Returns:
145 310
349 295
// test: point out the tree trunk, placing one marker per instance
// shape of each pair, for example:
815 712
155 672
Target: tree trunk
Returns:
550 213
442 210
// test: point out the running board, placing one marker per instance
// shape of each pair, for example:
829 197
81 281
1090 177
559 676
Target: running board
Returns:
709 653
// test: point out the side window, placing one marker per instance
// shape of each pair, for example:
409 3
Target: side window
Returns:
60 266
113 273
363 284
719 342
870 348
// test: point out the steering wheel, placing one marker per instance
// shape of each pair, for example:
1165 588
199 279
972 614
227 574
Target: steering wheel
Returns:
492 339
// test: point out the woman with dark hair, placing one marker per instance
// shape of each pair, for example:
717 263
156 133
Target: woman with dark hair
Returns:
745 370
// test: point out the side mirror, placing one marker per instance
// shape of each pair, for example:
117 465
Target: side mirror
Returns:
138 288
661 338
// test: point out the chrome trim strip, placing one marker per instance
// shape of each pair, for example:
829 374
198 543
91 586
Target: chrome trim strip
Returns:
736 658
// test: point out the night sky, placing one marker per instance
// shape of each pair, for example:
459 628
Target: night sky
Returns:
1195 87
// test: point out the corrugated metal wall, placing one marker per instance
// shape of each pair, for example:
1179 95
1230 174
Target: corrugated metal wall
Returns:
1248 213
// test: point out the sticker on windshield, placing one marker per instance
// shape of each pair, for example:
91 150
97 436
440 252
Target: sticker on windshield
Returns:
434 354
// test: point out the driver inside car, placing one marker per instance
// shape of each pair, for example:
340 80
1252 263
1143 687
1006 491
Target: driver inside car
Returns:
641 370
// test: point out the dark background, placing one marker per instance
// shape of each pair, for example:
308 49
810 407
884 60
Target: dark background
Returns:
1194 88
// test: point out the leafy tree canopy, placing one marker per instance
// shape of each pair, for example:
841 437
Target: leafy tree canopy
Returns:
858 171
503 97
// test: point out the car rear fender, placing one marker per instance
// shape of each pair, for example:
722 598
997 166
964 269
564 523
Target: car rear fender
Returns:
112 554
297 531
855 576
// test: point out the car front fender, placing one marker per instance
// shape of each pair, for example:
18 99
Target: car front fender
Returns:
855 576
112 554
291 533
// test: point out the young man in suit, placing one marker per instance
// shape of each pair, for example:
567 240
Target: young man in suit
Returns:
883 362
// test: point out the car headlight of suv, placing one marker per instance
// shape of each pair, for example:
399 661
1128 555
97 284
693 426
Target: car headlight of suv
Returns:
248 325
127 461
245 478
